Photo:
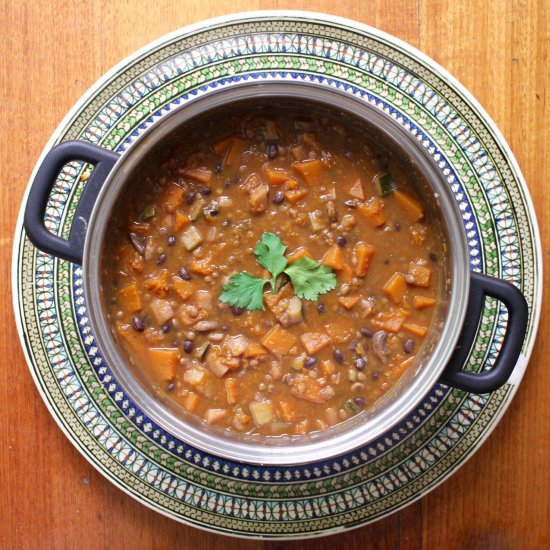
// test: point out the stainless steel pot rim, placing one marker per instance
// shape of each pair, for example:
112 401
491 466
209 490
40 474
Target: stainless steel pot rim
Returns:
278 451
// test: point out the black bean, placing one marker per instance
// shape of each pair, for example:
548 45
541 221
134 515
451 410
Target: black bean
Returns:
161 259
359 401
278 198
272 150
224 328
341 241
166 328
367 333
171 386
184 274
433 257
375 375
138 324
353 345
310 362
175 343
204 190
398 227
320 308
360 363
338 355
218 169
171 240
190 197
237 310
408 346
188 346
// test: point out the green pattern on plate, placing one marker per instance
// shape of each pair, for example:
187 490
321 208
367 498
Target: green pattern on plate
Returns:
247 499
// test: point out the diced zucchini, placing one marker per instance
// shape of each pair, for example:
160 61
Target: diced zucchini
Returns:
384 183
196 209
191 238
148 212
262 412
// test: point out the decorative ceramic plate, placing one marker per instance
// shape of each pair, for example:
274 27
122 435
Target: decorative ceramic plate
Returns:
248 499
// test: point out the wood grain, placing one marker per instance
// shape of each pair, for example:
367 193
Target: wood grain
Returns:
52 53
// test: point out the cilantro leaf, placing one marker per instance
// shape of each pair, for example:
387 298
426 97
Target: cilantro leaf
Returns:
270 254
244 290
310 279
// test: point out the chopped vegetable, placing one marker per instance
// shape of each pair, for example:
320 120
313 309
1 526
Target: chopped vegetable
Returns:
163 362
315 341
373 211
161 310
278 340
148 212
184 289
191 238
384 184
396 287
410 205
421 302
130 298
309 170
362 255
262 412
334 258
419 275
356 191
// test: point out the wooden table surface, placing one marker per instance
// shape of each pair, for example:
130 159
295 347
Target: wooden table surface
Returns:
52 52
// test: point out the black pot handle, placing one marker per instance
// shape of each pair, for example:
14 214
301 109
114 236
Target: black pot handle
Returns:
487 381
103 161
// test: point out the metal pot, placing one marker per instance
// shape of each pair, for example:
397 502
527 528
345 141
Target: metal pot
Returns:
444 352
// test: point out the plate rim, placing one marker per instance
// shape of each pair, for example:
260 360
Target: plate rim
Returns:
309 17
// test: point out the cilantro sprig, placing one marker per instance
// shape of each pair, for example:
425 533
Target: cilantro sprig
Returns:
309 278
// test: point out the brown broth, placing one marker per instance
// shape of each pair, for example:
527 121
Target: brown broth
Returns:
192 219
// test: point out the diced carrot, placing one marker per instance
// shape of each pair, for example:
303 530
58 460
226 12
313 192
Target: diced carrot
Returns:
129 298
288 412
278 340
345 274
309 170
341 330
163 362
231 386
300 252
276 176
202 266
291 184
348 301
184 289
396 287
410 204
356 191
419 275
308 388
238 147
136 343
191 401
362 254
421 302
272 300
159 284
373 211
391 320
315 341
181 220
334 257
294 195
173 197
202 174
417 330
222 145
254 350
161 310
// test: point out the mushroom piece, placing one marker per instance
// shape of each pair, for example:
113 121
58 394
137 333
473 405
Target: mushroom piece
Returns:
380 345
